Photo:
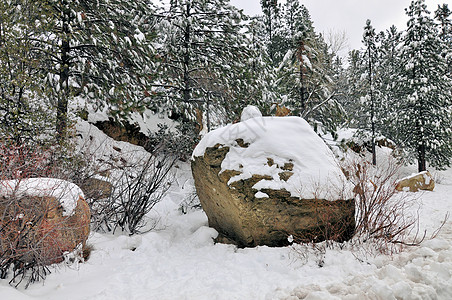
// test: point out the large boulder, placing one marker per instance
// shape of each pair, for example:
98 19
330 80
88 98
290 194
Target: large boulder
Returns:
415 182
47 217
267 178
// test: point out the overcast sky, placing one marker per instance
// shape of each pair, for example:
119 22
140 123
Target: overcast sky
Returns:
350 15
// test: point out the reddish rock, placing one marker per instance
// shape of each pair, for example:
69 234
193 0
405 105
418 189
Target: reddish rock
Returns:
40 227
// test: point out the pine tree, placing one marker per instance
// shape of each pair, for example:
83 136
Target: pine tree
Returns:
424 107
24 113
98 50
443 15
369 40
204 56
261 90
271 10
389 66
355 88
304 77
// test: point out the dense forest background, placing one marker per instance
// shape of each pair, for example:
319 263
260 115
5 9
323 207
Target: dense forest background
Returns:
200 62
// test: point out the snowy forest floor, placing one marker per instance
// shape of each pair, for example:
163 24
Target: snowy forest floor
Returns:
179 260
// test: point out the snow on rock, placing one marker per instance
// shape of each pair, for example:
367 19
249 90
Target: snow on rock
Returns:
261 195
149 121
265 178
416 182
288 140
250 112
65 192
94 144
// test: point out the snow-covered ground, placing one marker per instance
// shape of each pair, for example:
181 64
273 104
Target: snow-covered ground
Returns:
179 260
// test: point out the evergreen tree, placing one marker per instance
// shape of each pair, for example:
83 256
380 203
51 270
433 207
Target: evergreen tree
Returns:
99 50
443 15
304 77
271 10
261 91
204 56
389 66
424 107
355 88
369 40
24 117
377 64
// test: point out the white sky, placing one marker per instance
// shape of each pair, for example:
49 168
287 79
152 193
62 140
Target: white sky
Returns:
350 15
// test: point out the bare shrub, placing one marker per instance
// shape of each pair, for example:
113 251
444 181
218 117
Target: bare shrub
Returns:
383 216
190 202
18 257
121 184
387 221
21 161
306 252
138 188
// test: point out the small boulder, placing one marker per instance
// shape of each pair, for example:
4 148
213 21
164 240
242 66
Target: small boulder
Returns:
267 178
48 217
95 189
416 182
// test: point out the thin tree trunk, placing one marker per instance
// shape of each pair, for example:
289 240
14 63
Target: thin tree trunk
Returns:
302 88
62 104
372 109
186 66
420 123
270 33
422 166
208 113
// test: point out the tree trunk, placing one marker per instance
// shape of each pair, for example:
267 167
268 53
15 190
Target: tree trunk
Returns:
208 113
62 104
270 33
372 109
421 158
302 88
186 91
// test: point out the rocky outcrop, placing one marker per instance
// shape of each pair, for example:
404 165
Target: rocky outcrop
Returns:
123 131
42 227
416 182
256 193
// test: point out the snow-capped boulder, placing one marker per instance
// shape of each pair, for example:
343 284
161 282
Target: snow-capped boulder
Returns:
250 112
49 217
416 182
266 178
